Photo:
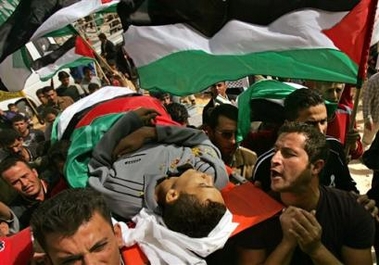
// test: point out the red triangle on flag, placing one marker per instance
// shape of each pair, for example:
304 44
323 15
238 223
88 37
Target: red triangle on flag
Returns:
81 48
106 1
350 33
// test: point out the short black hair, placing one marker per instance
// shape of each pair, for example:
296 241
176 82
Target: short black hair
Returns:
39 91
47 89
188 216
299 100
58 151
86 68
178 112
49 110
92 87
8 137
10 161
10 105
66 212
63 74
316 145
19 117
227 110
102 36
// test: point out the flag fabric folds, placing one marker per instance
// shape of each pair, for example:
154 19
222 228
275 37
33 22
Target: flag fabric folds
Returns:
15 71
320 42
274 93
35 18
72 53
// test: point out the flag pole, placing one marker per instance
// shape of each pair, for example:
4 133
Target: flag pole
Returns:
102 72
126 81
362 70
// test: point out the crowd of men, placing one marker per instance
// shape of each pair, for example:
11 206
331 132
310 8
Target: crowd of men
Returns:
175 174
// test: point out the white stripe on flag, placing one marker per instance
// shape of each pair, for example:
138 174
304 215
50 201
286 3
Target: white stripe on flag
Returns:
69 57
296 30
70 14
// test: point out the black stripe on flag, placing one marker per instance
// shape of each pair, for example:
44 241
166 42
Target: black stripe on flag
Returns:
25 20
56 54
209 16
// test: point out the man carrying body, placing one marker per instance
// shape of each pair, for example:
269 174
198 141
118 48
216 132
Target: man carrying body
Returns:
339 122
76 227
321 225
221 130
307 105
172 171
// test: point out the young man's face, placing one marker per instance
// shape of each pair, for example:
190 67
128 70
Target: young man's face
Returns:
224 137
330 91
316 116
95 242
20 126
13 109
65 81
42 98
50 118
16 147
199 184
290 167
219 89
23 179
51 96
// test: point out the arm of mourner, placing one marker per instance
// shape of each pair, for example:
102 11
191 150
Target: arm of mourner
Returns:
353 256
163 134
131 121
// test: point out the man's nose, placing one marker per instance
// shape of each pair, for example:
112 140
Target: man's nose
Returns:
276 157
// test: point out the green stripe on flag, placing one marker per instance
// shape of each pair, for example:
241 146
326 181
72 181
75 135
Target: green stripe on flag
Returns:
6 9
172 75
84 139
65 31
79 62
21 59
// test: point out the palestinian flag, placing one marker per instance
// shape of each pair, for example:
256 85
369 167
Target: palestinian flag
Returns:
72 53
35 18
264 101
67 120
193 47
95 122
15 71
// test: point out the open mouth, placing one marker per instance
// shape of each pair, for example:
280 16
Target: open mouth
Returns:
275 174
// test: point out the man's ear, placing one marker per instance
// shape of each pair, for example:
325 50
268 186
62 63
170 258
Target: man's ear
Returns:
118 234
171 196
318 166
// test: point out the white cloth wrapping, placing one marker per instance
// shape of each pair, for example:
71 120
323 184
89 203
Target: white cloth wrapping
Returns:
164 246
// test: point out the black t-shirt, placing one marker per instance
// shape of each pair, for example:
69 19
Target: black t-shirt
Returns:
70 91
344 223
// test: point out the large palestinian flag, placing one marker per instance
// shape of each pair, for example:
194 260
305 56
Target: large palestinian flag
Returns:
92 126
198 43
73 52
35 18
